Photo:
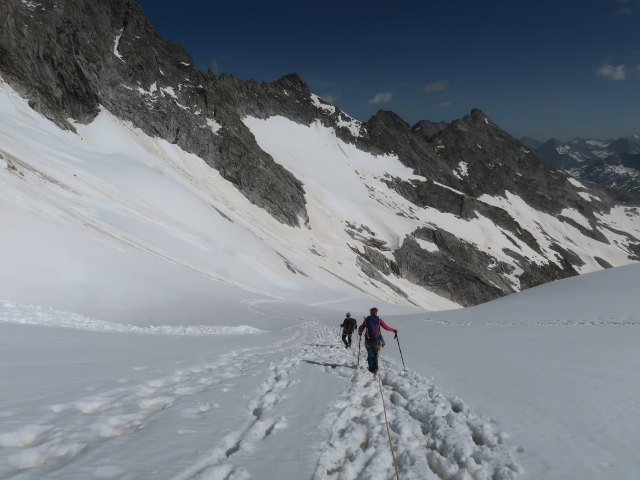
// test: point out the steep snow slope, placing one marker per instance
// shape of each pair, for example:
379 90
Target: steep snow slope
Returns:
135 227
115 224
353 182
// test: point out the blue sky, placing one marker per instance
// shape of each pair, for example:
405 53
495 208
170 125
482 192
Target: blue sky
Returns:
543 69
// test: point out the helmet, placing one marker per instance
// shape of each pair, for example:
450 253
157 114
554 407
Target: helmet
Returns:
373 311
348 314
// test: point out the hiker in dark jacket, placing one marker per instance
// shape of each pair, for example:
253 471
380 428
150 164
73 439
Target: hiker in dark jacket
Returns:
349 324
373 340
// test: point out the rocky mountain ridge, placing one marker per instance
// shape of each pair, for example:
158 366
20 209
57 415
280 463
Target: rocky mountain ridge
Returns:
613 163
75 58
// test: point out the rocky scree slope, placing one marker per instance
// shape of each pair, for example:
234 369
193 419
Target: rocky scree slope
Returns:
71 58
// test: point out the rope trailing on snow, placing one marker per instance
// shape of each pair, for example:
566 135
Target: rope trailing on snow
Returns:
384 408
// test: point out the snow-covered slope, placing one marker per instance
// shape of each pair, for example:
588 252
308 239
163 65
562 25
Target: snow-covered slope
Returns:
556 365
540 384
112 223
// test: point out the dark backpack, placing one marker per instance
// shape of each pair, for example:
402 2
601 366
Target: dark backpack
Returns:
372 323
349 324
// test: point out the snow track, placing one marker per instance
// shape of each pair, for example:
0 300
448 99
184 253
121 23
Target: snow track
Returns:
257 426
434 437
85 424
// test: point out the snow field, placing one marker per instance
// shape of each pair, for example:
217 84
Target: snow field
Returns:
289 402
86 425
250 411
556 365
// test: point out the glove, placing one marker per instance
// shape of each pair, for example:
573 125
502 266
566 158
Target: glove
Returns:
395 334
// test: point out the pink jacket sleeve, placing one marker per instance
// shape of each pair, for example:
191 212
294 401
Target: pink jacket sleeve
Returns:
385 326
361 327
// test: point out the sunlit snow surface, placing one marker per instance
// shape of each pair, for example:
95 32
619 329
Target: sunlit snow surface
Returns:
541 384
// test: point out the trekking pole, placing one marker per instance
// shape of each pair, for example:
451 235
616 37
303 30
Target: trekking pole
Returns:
359 339
397 340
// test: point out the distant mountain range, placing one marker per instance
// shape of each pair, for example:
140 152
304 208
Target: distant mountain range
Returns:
614 163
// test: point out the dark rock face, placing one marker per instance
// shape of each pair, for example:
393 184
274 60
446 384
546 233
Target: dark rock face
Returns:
428 129
72 56
530 143
428 194
469 158
456 271
460 272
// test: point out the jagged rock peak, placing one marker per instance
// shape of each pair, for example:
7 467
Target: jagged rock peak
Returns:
475 120
477 116
388 118
292 81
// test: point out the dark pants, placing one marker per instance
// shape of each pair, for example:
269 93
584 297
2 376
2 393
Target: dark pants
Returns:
373 350
346 336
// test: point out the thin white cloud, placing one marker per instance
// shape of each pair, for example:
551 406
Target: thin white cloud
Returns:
443 105
330 97
381 98
437 86
612 72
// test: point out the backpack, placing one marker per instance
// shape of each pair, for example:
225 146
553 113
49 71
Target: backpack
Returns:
349 325
373 328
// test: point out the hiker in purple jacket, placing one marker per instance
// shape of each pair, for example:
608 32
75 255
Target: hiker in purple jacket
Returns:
373 340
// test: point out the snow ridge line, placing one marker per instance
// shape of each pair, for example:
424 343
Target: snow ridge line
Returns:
629 321
37 315
435 437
